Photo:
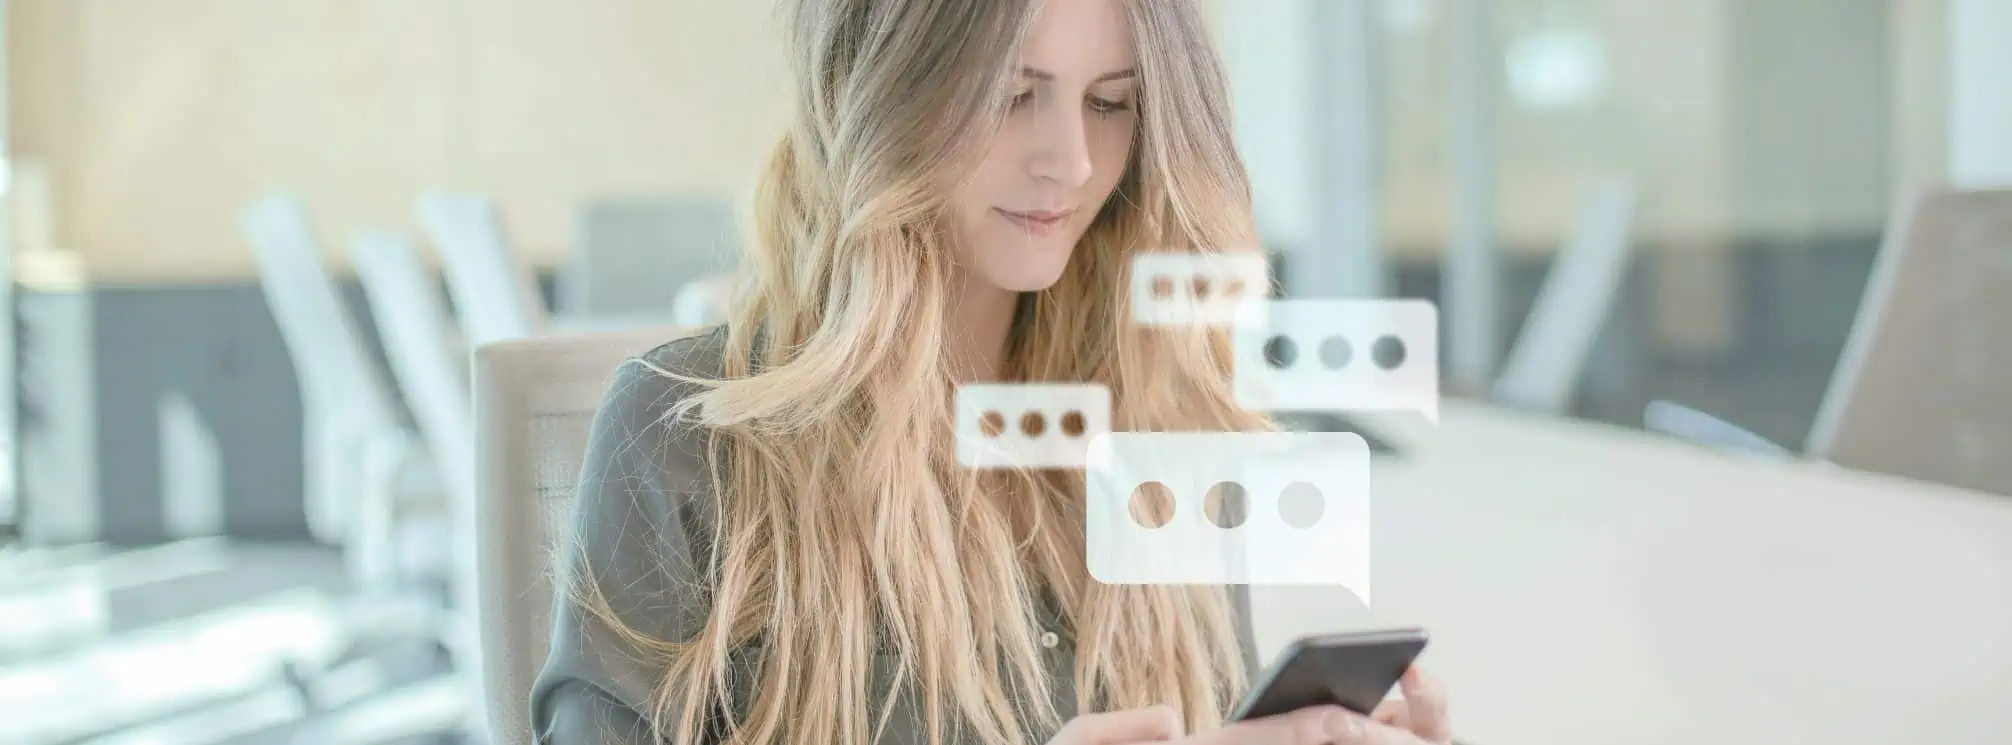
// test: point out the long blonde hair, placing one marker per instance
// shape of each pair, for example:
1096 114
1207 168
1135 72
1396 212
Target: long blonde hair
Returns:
847 530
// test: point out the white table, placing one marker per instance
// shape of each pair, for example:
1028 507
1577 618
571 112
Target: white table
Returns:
1589 584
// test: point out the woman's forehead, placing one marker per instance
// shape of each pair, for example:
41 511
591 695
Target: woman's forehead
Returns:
1079 39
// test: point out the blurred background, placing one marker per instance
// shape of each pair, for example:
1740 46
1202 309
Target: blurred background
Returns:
1692 193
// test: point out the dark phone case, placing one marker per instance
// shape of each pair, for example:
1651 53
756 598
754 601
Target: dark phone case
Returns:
1353 670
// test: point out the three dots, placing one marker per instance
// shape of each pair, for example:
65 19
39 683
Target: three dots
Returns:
1033 424
1335 352
1300 505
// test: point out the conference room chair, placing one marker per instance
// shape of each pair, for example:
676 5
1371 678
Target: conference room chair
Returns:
1577 298
428 364
534 406
495 294
370 485
1917 391
421 343
357 450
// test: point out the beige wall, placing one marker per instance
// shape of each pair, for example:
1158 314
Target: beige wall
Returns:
42 111
156 120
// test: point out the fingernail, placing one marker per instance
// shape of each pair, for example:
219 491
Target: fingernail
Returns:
1343 725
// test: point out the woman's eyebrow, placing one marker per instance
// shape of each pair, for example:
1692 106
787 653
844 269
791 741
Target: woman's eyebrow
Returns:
1040 74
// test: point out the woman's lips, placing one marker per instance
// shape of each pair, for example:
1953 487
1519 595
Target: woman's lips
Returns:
1037 223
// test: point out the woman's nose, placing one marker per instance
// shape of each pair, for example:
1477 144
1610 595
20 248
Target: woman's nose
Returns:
1062 155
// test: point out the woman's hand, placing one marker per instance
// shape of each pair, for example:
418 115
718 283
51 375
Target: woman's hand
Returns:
1418 719
1320 725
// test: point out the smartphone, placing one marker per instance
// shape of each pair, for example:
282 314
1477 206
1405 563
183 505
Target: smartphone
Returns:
1354 670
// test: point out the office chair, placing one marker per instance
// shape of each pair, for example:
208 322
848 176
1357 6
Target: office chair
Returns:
1549 356
1915 392
368 482
495 296
429 369
356 446
534 407
423 349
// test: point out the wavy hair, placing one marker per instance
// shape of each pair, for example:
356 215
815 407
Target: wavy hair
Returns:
847 530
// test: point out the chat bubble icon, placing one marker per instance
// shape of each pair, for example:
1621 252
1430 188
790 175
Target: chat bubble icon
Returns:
1196 289
1269 508
1029 425
1338 355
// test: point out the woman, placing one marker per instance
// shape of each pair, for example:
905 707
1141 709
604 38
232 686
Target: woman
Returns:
775 543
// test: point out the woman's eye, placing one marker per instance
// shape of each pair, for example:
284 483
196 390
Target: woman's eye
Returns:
1106 107
1022 98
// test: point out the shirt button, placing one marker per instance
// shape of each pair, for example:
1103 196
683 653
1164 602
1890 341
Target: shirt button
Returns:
1049 639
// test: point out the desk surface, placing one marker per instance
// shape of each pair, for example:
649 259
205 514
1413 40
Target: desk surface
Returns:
1589 584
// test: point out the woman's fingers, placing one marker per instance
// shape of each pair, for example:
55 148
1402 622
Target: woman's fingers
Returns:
1150 724
1417 719
1317 725
1425 705
1393 712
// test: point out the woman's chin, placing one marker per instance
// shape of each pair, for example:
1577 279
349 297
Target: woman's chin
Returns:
1028 278
1033 268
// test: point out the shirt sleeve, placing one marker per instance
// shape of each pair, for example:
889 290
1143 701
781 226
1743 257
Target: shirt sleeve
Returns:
640 511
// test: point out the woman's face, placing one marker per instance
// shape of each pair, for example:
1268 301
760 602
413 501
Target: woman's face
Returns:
1060 151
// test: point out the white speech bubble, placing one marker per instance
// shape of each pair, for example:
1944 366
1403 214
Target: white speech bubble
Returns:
1181 289
1338 355
1305 503
1029 425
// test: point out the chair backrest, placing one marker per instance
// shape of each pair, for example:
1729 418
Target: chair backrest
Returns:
495 295
535 400
633 252
428 362
425 359
1921 389
344 397
1564 324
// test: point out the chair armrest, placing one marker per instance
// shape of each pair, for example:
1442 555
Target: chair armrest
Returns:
1685 423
